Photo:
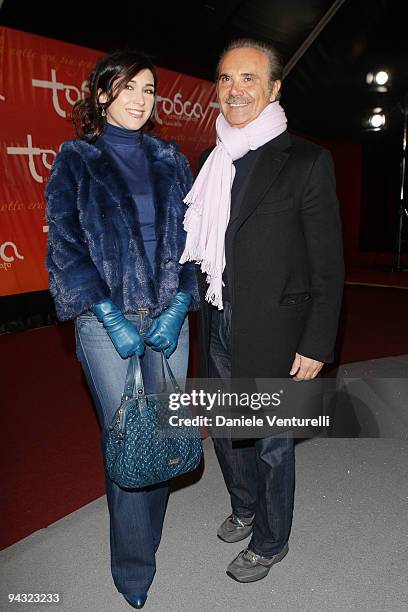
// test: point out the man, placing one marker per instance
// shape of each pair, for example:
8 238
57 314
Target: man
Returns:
271 252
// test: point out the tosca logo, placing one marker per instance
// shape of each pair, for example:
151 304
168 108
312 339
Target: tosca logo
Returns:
72 93
33 152
176 108
7 259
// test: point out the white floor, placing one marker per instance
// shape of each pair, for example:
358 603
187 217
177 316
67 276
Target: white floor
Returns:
348 549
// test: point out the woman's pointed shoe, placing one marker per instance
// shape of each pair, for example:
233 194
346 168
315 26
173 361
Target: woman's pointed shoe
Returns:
136 600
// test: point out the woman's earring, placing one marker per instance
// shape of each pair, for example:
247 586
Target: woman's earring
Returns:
103 111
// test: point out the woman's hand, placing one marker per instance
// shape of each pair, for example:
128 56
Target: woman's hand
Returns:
165 330
124 335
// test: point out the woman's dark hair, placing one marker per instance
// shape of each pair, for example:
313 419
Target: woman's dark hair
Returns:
119 66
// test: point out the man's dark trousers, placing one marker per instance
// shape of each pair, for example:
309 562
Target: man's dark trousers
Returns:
259 474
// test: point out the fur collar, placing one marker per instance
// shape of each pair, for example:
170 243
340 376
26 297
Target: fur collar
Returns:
161 155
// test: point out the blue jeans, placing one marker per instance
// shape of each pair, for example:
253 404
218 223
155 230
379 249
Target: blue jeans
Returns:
259 474
136 516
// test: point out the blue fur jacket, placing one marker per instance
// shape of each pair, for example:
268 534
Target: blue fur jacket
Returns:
88 208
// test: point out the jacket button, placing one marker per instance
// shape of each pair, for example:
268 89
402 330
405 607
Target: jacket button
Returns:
167 260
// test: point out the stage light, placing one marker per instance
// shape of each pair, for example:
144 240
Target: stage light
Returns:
381 77
379 80
375 120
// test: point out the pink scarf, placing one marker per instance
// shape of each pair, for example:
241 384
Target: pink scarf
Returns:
209 200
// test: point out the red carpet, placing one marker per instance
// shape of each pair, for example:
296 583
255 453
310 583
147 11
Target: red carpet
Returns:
373 324
376 276
51 463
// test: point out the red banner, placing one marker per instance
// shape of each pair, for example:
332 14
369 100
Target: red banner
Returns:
40 81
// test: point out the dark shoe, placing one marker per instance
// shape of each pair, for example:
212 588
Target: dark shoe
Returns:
249 567
234 529
136 600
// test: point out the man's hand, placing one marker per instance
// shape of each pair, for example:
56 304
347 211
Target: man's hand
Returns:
305 368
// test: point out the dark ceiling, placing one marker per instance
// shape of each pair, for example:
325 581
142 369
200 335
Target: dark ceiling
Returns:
324 94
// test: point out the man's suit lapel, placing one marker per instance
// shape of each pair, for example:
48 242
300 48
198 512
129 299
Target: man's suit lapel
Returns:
267 167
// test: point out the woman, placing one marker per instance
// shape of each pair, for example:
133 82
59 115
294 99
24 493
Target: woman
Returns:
115 212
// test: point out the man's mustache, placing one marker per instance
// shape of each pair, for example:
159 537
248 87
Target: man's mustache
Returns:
237 100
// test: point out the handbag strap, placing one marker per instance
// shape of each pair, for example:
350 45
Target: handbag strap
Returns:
174 382
134 379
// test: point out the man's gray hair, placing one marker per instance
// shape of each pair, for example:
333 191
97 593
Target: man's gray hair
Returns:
274 57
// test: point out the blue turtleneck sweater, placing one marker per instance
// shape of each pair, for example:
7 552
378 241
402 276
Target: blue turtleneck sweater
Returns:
126 151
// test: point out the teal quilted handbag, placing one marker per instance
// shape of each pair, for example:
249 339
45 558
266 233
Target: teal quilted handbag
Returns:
137 454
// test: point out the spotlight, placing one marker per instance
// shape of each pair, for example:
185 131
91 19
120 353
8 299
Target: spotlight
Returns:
375 121
379 80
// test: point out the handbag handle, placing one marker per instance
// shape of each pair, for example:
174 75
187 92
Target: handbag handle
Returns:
174 382
134 378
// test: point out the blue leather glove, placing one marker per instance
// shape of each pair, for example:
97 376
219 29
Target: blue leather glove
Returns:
165 330
124 335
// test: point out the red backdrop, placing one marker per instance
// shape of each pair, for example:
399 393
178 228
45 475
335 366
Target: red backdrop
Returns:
40 80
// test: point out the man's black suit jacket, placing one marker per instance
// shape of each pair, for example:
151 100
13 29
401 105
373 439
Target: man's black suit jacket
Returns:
287 267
